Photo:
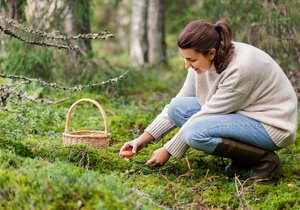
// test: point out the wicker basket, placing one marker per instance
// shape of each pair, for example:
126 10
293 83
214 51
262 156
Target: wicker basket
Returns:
97 139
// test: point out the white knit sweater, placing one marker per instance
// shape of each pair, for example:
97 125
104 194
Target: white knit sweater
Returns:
252 85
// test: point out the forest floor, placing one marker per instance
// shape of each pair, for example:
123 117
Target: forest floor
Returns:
37 172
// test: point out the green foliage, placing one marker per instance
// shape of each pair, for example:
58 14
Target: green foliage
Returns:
34 183
270 25
81 10
274 32
27 60
37 170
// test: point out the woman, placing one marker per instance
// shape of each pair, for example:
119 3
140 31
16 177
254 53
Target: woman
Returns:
236 102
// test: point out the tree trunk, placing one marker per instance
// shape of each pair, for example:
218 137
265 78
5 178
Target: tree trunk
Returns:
156 33
61 15
122 20
139 46
78 23
13 9
43 14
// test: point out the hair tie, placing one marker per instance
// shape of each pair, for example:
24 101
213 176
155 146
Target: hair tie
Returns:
217 28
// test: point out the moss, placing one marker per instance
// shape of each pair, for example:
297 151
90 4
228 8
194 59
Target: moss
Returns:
39 184
41 173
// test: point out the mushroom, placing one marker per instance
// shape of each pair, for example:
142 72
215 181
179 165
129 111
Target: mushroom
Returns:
127 154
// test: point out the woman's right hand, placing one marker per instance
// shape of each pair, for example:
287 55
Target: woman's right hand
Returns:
133 146
137 144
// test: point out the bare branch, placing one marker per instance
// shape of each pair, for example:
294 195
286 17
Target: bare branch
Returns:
41 38
40 43
22 95
241 189
56 86
102 35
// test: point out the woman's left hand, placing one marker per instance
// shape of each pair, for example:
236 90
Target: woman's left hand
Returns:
159 157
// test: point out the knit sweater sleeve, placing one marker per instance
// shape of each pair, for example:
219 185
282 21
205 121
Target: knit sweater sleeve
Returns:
162 123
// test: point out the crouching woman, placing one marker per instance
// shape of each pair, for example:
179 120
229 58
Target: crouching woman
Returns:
236 102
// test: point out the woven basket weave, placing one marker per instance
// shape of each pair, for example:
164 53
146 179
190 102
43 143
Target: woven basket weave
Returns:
97 139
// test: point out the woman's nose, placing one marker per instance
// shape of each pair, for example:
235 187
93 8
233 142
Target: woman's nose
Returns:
187 64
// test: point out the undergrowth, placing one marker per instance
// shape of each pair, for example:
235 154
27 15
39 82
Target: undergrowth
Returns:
37 172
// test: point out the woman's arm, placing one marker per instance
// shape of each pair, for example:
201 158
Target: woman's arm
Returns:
161 124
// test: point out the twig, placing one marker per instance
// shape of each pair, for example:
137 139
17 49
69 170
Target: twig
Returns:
101 35
40 43
80 155
206 174
171 186
240 192
10 27
187 174
6 91
22 95
56 86
241 189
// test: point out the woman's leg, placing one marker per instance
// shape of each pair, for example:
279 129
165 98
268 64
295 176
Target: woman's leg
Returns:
182 108
206 132
237 137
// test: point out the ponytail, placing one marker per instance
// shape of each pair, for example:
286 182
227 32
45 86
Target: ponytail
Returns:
225 50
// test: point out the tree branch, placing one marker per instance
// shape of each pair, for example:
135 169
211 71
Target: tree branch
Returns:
57 86
41 38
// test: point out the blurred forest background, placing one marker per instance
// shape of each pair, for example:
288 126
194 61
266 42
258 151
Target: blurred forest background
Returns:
43 40
145 33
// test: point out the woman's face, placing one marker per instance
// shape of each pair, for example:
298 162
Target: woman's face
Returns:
196 60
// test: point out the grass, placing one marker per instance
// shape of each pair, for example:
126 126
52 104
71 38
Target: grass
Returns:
37 172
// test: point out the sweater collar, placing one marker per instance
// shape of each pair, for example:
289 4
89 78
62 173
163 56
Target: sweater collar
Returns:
212 67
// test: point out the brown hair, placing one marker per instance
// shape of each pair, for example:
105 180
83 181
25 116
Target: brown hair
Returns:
203 36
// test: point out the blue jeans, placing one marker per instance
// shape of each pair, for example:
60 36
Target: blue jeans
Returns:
204 133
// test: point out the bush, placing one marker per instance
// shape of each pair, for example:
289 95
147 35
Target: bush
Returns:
27 60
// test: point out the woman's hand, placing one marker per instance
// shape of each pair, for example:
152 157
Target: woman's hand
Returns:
159 157
137 144
134 146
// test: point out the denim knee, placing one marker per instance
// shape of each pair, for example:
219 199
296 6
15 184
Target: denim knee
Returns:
182 108
176 111
192 137
198 140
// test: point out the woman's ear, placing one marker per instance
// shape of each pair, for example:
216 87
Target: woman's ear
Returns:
212 54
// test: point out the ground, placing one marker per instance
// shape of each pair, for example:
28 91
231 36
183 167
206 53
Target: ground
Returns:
37 172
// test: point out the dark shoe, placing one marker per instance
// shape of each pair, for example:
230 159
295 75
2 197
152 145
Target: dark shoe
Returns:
233 165
237 168
267 164
263 162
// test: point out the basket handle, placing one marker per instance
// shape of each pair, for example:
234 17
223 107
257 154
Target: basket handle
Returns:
86 100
